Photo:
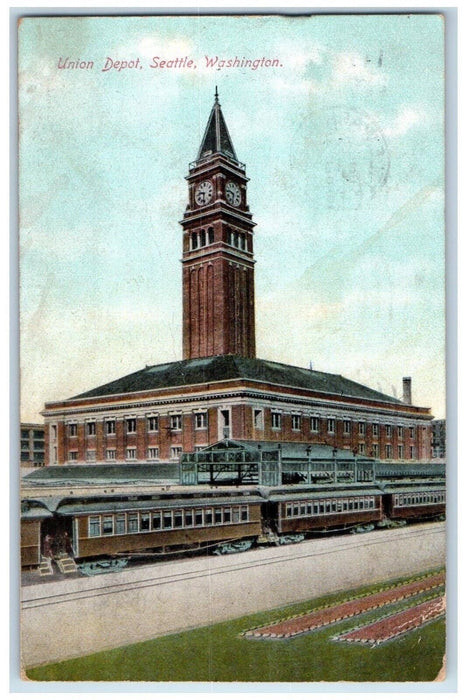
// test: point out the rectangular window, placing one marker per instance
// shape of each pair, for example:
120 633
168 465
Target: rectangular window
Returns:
400 451
388 431
331 425
153 453
198 516
94 526
156 520
73 456
376 450
258 419
131 453
107 525
91 428
244 513
90 455
375 429
120 523
167 519
131 425
73 430
188 518
175 452
178 518
144 522
361 428
176 422
400 432
412 452
388 451
227 515
276 420
346 427
208 516
314 424
361 448
110 427
201 421
153 424
110 454
54 432
296 422
412 433
218 516
133 522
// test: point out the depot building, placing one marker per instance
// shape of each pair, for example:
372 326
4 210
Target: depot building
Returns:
220 389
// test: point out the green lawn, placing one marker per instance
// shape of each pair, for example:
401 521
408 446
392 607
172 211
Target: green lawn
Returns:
220 653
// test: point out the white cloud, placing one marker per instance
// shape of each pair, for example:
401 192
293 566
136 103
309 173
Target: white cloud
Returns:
154 45
298 60
407 118
351 67
295 86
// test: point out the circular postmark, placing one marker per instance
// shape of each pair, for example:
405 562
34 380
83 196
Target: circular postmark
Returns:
347 151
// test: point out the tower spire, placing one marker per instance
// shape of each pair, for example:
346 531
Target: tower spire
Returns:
216 137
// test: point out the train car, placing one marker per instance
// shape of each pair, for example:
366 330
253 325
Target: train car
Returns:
33 515
415 471
407 501
322 509
92 515
161 523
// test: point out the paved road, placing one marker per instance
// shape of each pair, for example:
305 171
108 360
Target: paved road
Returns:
66 619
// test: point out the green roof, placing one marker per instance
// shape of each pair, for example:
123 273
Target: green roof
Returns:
91 473
233 367
289 450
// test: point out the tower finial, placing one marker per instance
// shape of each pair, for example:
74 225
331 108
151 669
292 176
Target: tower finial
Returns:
216 96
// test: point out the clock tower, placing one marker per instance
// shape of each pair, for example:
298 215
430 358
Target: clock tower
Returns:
218 263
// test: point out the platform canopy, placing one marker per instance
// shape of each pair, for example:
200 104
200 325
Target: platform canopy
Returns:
272 464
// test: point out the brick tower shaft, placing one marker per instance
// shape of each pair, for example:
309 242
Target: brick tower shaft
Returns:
217 260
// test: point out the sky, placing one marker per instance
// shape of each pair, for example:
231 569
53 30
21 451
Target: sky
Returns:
343 143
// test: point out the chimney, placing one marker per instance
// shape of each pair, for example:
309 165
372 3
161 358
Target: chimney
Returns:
407 390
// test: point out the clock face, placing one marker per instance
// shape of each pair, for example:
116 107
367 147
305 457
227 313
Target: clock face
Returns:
203 193
233 193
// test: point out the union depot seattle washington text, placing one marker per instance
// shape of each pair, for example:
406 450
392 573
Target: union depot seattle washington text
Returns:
221 389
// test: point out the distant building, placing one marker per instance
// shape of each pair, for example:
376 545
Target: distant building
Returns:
32 447
220 390
438 442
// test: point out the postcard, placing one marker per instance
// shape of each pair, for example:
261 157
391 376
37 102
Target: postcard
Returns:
232 317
